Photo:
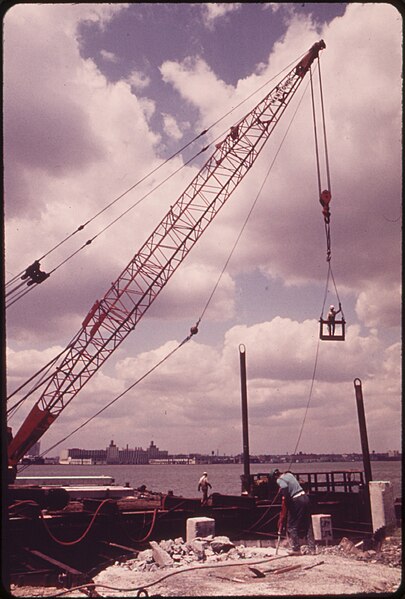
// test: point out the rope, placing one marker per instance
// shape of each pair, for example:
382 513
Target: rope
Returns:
318 169
308 402
20 295
324 128
13 409
336 291
108 226
317 158
328 242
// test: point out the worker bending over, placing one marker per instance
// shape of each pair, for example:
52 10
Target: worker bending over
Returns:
296 502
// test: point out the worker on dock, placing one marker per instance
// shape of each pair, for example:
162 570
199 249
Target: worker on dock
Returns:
204 485
296 501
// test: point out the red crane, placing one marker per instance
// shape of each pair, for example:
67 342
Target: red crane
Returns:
112 318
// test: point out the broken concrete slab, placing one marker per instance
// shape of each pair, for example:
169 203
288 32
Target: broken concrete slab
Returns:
160 555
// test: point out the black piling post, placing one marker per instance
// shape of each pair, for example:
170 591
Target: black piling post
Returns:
363 430
245 430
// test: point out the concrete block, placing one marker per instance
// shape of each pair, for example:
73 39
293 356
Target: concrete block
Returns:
160 555
382 504
199 527
322 527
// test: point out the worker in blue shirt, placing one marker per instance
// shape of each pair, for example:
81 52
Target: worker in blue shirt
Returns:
299 522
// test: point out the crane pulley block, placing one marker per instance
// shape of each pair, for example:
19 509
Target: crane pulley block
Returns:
34 274
304 64
324 200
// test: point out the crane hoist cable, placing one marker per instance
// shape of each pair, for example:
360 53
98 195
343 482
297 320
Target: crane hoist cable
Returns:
33 272
325 197
308 401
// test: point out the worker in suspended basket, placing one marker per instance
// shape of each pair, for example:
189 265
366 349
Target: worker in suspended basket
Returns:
294 505
204 485
331 318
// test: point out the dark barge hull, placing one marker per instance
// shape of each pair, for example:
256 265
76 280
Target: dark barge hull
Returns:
67 546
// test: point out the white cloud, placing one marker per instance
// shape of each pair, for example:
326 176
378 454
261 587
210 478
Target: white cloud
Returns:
380 307
213 12
192 76
191 291
109 56
138 80
171 127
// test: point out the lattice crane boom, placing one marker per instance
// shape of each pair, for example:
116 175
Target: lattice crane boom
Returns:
112 318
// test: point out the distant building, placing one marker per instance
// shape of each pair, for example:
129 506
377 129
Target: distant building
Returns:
82 456
133 456
154 453
112 455
393 453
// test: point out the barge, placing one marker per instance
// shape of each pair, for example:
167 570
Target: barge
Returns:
57 535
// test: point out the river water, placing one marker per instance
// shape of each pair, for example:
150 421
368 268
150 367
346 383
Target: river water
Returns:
224 478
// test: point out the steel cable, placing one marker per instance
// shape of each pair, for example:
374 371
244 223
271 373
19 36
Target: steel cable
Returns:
13 291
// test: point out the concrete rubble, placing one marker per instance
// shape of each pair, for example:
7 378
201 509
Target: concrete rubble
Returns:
178 553
221 567
390 552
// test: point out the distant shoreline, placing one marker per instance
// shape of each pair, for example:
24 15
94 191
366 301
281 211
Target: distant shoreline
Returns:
210 461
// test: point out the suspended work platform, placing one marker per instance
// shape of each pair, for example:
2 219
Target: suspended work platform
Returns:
332 332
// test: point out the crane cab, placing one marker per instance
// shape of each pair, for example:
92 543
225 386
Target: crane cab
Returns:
332 332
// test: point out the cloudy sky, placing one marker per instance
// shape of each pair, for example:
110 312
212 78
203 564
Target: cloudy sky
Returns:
99 96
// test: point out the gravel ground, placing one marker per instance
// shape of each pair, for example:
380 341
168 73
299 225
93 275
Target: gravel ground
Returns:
200 571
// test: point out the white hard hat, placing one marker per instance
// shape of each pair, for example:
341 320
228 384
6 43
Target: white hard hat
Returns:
332 307
204 473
